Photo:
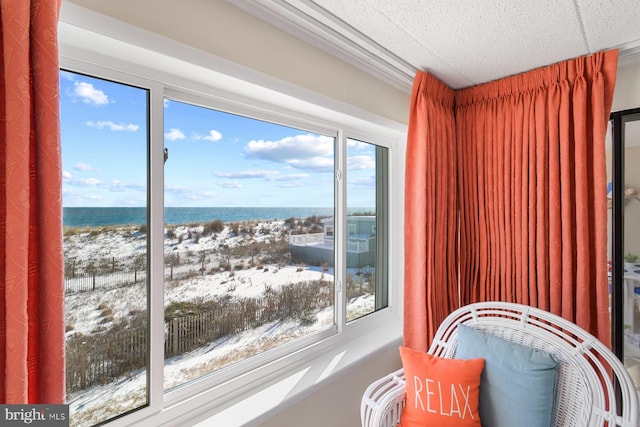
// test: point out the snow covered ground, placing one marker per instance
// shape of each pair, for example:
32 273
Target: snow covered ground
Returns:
85 311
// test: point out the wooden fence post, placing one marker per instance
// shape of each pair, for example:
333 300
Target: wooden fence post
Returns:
83 364
244 327
175 335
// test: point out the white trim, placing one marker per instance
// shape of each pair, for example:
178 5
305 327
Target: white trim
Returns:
629 53
339 237
314 25
156 248
93 42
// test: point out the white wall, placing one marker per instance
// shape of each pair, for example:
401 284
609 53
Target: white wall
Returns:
627 92
338 403
225 31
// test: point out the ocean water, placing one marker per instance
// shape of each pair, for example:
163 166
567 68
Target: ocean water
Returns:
96 217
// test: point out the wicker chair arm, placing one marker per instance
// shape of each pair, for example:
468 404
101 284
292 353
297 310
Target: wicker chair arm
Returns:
383 401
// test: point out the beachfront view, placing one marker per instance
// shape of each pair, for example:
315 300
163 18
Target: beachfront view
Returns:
249 237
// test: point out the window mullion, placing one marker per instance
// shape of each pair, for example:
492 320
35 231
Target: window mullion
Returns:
156 247
340 231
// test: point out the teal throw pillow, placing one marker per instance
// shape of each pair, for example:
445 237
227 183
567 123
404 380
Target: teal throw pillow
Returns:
517 384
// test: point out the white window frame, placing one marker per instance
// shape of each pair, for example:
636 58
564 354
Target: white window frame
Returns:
101 46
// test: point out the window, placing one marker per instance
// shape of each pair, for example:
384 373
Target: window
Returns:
105 142
329 232
253 200
367 207
624 242
247 266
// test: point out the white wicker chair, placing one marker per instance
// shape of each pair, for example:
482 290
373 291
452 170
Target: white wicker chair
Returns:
585 391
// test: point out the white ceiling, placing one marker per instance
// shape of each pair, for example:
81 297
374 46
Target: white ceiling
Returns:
463 42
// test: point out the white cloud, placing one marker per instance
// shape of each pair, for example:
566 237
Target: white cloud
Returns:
117 185
84 167
66 175
358 145
291 177
174 134
247 174
180 194
116 127
314 163
232 185
369 182
166 103
112 186
213 136
87 182
360 162
301 151
89 94
178 189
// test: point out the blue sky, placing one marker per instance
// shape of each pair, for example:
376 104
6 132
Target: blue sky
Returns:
215 158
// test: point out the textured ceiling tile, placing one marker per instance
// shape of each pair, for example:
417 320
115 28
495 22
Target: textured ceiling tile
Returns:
467 42
368 18
491 39
610 23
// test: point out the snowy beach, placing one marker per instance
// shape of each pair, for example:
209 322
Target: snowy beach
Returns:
233 262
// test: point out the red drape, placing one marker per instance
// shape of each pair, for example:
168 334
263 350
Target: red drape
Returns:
431 277
31 260
531 188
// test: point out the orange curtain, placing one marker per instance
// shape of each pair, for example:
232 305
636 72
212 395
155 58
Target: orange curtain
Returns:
531 194
533 189
431 278
31 263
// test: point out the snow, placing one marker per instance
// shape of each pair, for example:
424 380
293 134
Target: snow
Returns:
101 402
90 312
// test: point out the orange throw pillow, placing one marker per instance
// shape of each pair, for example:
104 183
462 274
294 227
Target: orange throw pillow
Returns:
440 392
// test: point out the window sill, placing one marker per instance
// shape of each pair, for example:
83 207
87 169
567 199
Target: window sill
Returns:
258 394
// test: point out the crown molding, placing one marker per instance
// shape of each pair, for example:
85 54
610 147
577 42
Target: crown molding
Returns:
629 53
314 25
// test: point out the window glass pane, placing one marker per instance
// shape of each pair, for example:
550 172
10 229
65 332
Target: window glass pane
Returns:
631 239
249 253
105 138
367 186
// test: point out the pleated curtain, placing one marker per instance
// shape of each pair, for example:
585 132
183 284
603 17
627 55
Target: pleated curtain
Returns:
530 196
431 217
31 260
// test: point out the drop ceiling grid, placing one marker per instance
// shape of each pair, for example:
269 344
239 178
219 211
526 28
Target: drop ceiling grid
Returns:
370 19
468 45
610 23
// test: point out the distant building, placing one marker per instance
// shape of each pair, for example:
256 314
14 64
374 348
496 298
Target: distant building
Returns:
318 248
